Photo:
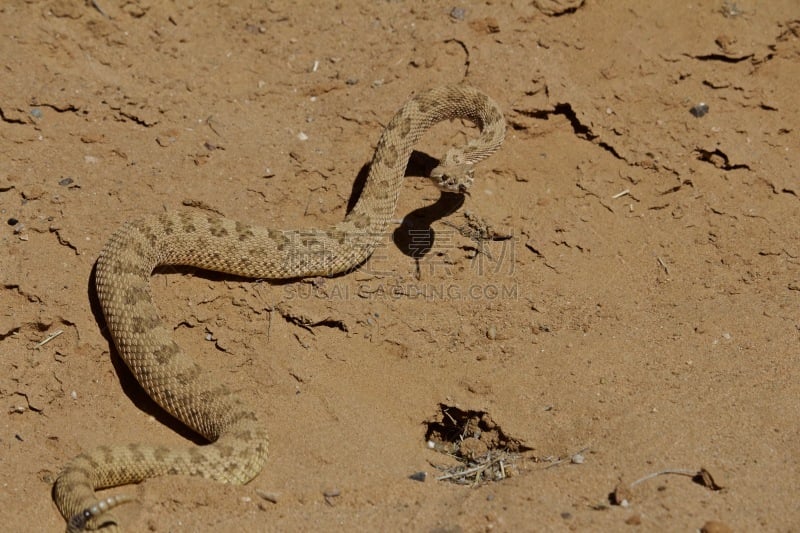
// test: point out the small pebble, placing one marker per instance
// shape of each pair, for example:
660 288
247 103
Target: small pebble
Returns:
491 333
271 497
302 136
578 459
458 13
36 113
419 476
714 526
65 181
622 495
699 110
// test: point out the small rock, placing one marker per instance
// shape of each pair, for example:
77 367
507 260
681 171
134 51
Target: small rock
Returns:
487 25
271 497
332 493
714 526
419 476
458 13
622 495
699 110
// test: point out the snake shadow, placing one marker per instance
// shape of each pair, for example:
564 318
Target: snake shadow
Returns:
414 237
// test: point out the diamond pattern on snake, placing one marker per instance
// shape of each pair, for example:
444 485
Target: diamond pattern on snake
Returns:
238 441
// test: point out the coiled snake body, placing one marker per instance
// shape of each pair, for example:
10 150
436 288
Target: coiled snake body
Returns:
238 448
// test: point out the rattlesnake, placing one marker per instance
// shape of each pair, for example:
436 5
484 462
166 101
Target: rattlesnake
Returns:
239 440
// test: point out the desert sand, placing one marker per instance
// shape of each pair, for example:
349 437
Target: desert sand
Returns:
617 297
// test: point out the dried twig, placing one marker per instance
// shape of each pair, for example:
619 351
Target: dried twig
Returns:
490 467
663 265
98 8
622 494
690 473
50 337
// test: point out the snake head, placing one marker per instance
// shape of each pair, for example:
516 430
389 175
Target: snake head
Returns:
453 174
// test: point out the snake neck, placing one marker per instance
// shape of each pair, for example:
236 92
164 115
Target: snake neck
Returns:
371 214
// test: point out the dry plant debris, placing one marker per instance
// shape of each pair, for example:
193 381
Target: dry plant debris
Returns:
483 451
623 493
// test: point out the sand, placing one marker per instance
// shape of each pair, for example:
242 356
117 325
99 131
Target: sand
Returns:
617 297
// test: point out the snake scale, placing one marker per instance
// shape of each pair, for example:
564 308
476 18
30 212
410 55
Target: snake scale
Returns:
238 440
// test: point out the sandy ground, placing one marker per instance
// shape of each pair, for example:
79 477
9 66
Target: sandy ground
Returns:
642 316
